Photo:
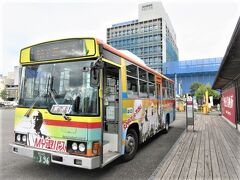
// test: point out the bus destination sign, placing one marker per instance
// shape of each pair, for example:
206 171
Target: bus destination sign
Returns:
64 49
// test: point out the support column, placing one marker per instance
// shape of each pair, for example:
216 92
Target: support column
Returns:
236 101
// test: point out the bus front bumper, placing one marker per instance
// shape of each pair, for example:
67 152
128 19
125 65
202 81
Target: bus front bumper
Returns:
59 158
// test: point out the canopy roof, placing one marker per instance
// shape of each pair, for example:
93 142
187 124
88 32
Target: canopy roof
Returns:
230 67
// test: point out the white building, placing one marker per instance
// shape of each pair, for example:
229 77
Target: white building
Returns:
10 83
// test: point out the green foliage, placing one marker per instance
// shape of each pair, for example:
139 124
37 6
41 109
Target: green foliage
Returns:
194 87
200 91
3 94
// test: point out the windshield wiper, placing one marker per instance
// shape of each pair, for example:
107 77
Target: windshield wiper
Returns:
47 91
33 104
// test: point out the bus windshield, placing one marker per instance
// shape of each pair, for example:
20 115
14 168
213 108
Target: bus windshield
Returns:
68 82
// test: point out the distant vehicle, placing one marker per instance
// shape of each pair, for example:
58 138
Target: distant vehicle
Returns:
2 105
83 103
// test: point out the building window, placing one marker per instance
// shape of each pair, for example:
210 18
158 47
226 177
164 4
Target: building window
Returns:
150 38
146 39
150 28
150 49
147 7
146 29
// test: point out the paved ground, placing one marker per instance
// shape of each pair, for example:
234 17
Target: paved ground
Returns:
210 152
142 166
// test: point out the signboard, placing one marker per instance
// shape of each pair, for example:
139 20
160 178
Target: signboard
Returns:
59 50
65 49
228 104
110 113
189 112
61 108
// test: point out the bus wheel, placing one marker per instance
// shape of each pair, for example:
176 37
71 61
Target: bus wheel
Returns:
166 127
131 145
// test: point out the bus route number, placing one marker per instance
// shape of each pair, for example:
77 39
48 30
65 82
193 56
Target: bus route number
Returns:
42 158
129 111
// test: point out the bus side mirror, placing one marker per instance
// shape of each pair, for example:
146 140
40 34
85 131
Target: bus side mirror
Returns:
95 72
95 77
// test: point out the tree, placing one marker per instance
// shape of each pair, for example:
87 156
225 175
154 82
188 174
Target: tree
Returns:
194 87
200 92
3 94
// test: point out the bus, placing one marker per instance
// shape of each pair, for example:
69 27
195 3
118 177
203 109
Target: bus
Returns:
83 103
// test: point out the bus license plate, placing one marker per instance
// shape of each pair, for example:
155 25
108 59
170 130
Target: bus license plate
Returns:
41 157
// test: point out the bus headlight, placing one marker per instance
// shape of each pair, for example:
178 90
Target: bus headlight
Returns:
74 146
21 138
18 138
24 138
81 147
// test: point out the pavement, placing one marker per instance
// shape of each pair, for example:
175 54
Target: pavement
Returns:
211 151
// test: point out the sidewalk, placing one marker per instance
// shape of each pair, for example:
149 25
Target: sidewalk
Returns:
212 151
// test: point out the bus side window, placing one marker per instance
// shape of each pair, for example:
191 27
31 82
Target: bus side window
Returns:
143 89
173 91
132 81
132 87
163 93
152 92
151 85
169 90
142 74
132 70
143 78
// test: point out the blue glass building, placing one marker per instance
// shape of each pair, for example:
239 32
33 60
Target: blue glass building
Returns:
186 72
151 37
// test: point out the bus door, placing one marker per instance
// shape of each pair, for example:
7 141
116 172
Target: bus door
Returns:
160 105
111 114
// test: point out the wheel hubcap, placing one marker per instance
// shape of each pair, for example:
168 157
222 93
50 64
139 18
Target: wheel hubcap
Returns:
130 144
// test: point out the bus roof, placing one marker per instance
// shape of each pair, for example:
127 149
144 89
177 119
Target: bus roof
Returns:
130 59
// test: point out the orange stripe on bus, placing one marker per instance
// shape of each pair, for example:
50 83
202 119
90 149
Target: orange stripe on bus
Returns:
72 124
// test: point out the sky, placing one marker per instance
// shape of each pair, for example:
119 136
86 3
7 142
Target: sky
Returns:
203 27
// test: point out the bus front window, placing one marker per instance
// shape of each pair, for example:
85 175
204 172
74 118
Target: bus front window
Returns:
68 82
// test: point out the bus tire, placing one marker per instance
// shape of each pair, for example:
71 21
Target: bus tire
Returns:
166 125
131 145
